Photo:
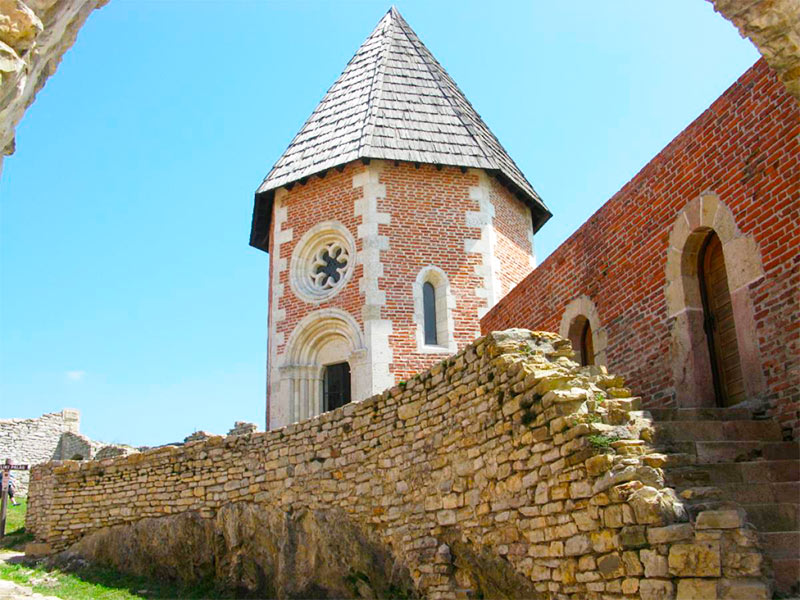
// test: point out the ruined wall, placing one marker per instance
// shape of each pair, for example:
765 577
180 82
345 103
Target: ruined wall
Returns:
504 471
774 27
33 37
34 441
740 158
75 446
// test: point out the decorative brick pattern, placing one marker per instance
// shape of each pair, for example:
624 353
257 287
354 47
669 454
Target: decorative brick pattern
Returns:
745 149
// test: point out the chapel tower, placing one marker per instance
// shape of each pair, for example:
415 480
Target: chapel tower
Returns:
393 221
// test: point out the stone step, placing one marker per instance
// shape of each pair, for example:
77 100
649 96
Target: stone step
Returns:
781 544
787 576
786 492
753 472
700 414
680 459
774 517
704 431
724 452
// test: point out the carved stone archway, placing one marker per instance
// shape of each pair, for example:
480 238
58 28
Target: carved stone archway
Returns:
584 307
689 356
321 338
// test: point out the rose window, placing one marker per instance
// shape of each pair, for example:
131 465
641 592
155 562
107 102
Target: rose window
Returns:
330 265
322 262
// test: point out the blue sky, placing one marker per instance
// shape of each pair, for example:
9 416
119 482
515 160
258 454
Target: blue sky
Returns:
127 286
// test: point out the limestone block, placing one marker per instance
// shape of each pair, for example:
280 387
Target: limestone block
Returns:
696 589
633 566
610 566
670 533
577 545
599 464
720 519
630 586
742 262
633 536
621 473
656 589
653 506
409 410
744 589
655 564
19 25
701 559
742 564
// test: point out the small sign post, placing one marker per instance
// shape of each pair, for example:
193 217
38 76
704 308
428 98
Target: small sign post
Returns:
6 469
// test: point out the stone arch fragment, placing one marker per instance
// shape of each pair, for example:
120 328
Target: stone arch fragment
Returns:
688 347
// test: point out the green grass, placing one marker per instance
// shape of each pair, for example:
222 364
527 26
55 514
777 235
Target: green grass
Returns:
98 582
602 442
16 537
87 582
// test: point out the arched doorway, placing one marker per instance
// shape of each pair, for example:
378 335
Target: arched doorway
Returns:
580 334
719 324
324 365
690 246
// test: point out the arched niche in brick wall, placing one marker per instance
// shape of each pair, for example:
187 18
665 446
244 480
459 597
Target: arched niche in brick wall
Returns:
577 314
321 338
689 354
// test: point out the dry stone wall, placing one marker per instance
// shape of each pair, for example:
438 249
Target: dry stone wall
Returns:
504 471
34 441
33 37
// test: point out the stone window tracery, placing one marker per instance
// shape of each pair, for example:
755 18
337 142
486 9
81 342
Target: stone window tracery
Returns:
322 262
330 264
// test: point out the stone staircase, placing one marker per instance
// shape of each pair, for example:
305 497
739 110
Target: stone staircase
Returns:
721 456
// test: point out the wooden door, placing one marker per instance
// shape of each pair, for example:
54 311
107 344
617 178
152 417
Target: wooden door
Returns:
719 324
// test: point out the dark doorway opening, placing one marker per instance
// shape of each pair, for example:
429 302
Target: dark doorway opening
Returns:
336 385
580 334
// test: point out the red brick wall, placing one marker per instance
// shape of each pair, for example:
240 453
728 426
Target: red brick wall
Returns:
428 226
512 225
745 149
321 199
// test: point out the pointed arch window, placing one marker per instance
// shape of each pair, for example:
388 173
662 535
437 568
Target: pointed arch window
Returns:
433 312
429 308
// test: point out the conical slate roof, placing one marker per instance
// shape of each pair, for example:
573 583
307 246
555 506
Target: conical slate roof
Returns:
393 101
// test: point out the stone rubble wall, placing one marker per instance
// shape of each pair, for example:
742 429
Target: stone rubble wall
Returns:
774 27
34 441
76 446
34 35
503 471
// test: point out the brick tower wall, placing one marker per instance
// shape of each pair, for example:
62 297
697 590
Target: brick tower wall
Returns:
461 221
744 149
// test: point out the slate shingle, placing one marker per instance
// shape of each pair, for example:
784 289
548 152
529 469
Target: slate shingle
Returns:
393 101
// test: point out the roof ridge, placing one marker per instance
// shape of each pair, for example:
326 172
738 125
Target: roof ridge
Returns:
393 101
444 73
367 128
